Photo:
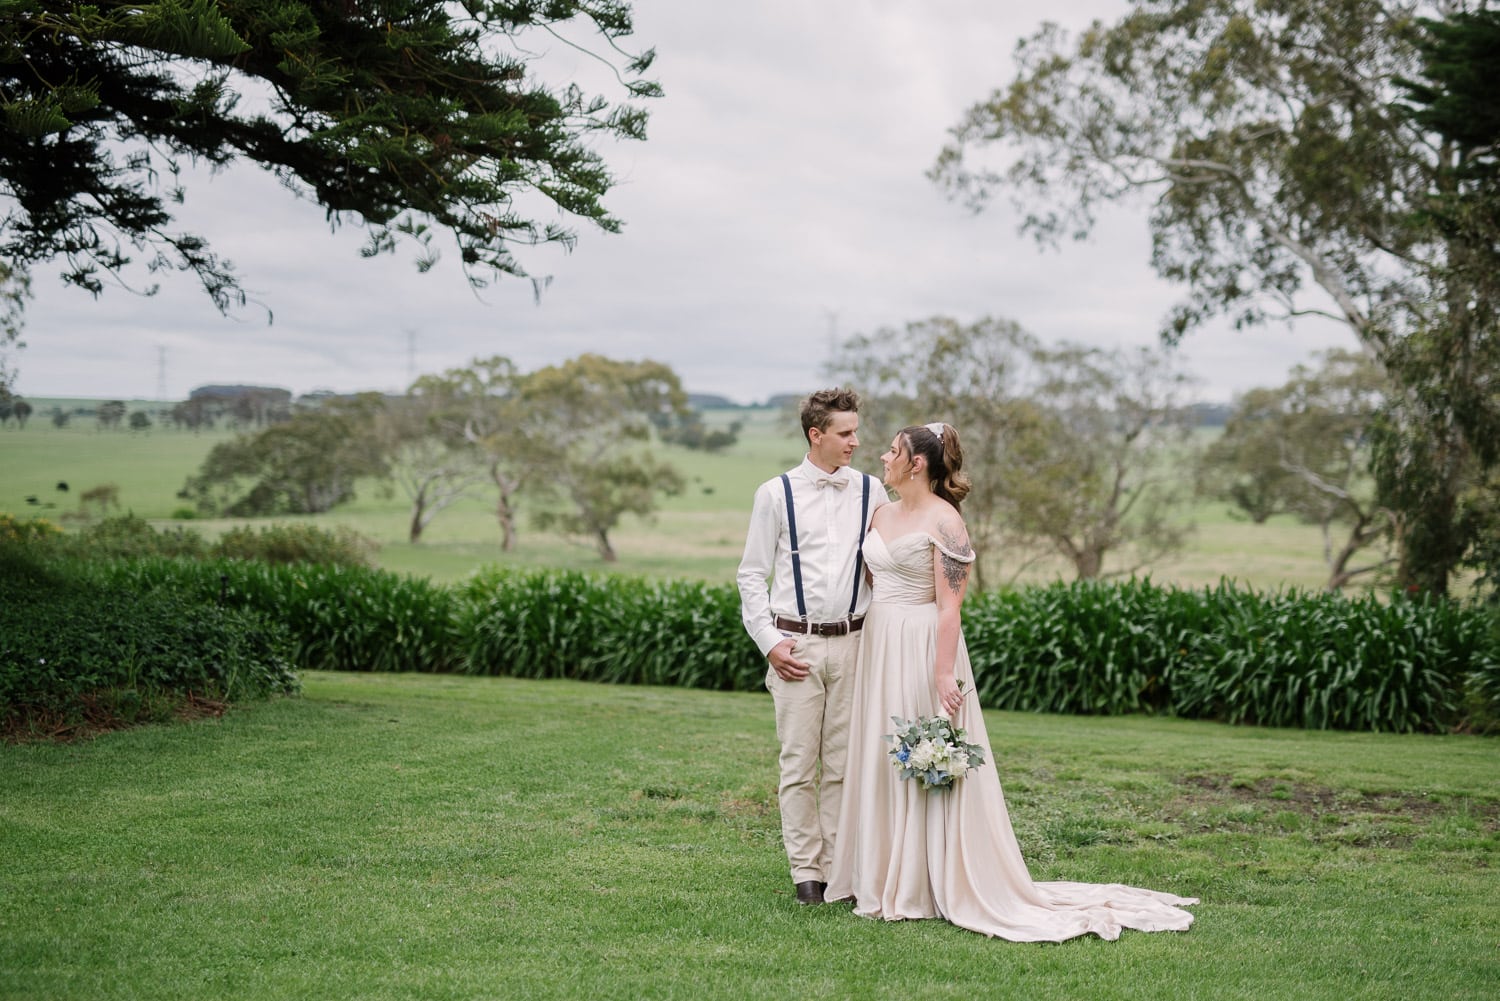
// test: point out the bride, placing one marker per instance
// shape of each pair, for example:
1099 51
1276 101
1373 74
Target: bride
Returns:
907 852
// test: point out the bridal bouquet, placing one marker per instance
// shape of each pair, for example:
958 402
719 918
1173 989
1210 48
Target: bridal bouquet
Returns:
932 750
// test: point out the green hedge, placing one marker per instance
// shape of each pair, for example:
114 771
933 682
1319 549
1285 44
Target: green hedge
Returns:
1285 659
72 645
340 618
1306 659
126 536
1291 658
565 624
1086 648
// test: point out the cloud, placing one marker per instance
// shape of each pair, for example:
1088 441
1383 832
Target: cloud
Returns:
779 200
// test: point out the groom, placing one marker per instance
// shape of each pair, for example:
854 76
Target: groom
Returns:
806 528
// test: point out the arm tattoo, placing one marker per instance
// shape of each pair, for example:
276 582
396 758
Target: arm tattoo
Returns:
955 572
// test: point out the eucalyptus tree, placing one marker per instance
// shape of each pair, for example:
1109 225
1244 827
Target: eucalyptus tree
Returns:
1455 372
433 467
1072 450
1281 183
110 413
1116 438
479 407
408 117
590 422
305 465
1302 449
977 377
572 437
1243 465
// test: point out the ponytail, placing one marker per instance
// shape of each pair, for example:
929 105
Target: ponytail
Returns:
938 443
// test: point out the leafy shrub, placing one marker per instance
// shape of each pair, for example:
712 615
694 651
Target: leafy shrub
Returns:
127 536
1292 658
1283 659
339 618
1322 661
565 624
1086 647
340 546
1481 697
69 641
26 530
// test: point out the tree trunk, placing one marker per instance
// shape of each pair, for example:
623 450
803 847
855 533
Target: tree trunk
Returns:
1432 540
1427 555
1088 563
506 516
505 512
1338 568
1366 529
606 551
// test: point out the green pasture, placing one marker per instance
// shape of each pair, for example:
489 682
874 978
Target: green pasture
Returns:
696 534
437 837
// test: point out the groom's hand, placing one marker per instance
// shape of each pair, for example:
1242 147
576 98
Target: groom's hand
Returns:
786 666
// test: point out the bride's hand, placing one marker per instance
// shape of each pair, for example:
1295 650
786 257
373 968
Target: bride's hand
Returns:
949 696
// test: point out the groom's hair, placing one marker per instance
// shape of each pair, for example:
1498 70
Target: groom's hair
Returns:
819 408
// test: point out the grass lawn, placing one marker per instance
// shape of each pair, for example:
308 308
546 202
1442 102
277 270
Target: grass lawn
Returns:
421 837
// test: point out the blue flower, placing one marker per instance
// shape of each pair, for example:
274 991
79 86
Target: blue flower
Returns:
903 754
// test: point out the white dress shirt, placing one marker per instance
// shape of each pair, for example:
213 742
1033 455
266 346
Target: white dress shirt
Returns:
828 532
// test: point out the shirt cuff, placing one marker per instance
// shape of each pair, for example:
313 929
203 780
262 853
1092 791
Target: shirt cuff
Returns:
766 638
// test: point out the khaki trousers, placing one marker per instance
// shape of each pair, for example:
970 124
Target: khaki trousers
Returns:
812 723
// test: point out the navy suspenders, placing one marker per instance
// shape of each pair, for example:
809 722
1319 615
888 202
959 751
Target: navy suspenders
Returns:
859 550
859 555
791 524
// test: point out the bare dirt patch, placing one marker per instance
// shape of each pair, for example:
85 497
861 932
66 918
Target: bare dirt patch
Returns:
100 713
1281 795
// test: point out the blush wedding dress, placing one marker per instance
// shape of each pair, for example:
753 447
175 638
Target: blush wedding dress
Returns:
907 852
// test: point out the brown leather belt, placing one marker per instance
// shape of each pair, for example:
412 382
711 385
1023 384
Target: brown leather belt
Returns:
837 628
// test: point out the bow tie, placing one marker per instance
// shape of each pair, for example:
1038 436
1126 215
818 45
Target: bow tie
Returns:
829 481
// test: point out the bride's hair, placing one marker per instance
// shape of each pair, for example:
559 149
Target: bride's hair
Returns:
945 459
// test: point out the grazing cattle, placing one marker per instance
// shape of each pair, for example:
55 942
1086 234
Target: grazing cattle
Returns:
63 485
105 496
32 500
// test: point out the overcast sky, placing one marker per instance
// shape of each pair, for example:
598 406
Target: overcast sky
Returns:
779 203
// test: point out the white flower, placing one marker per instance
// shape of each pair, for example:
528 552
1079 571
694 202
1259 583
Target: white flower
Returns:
942 753
922 756
933 751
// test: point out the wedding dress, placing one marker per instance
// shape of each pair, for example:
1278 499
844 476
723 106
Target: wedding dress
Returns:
907 852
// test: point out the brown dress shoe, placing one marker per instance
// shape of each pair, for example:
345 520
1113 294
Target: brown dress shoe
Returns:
810 892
